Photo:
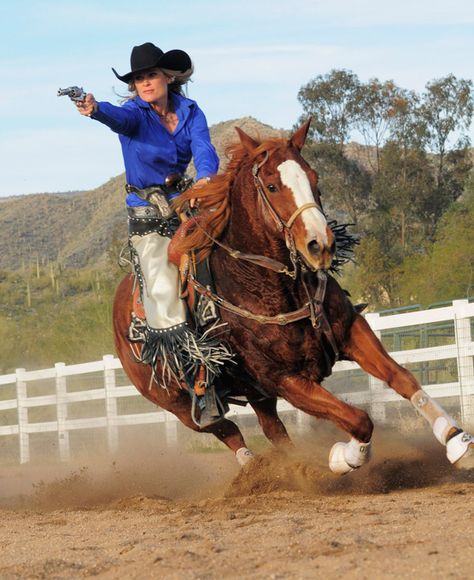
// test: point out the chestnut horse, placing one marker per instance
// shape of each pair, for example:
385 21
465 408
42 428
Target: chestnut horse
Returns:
288 320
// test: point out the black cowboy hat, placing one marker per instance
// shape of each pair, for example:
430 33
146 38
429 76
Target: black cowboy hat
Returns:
148 56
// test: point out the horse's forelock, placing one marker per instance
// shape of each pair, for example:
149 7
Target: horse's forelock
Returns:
238 153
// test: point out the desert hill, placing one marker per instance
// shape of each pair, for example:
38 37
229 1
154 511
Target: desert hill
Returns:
75 229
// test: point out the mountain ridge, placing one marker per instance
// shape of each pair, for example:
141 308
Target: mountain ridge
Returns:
76 228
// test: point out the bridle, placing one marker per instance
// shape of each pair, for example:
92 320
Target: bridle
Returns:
282 226
260 186
313 308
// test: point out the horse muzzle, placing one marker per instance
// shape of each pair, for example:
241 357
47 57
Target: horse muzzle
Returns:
318 254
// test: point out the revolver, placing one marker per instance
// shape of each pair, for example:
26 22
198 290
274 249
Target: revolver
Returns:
76 94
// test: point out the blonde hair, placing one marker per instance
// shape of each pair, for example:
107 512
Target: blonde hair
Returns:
178 81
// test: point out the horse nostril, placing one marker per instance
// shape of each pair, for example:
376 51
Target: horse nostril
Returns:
314 248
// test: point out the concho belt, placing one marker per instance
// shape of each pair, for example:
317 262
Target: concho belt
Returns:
144 220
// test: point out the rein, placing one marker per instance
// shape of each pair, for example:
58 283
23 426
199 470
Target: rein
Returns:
257 259
313 309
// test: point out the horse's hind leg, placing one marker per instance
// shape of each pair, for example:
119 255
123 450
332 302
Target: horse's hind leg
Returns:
315 400
367 350
271 424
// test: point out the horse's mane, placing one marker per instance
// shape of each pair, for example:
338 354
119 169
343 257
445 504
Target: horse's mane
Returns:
213 199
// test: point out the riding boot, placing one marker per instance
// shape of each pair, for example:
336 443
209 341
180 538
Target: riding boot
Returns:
211 408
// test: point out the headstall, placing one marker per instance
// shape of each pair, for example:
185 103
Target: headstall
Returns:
312 309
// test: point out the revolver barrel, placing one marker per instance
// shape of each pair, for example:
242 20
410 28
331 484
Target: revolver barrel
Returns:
74 93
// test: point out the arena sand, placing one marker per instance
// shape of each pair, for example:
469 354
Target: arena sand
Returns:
152 514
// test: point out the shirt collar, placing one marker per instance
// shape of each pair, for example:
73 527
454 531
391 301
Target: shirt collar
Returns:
182 104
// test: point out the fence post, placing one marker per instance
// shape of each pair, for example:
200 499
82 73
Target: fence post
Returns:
171 429
110 403
376 386
61 412
23 435
301 421
462 327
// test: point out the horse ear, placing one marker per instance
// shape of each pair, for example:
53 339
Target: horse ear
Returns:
299 137
247 141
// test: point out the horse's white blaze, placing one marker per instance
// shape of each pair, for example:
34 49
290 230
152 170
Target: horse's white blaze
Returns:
293 176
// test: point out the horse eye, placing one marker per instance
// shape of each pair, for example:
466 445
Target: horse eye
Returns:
272 188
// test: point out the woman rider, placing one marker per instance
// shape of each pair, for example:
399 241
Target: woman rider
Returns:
160 130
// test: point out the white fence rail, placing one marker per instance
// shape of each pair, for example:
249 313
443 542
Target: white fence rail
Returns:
451 364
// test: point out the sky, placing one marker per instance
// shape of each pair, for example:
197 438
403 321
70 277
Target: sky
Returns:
251 57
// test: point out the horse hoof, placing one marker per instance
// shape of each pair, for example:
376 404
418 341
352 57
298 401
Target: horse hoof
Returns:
345 457
460 450
337 463
243 456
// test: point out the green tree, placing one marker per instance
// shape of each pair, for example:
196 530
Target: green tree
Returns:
376 107
447 110
400 192
447 270
330 99
408 128
344 183
370 278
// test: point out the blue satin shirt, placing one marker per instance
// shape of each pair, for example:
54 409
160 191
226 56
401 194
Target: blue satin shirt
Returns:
150 151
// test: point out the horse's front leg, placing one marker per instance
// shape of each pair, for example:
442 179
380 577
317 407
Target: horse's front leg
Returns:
312 398
271 424
366 349
178 402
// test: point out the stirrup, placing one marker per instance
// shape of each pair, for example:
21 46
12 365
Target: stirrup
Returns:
214 410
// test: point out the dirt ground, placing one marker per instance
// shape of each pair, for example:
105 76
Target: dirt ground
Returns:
407 514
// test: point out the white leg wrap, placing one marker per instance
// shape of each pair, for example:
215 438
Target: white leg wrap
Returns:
244 455
458 446
440 421
345 457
